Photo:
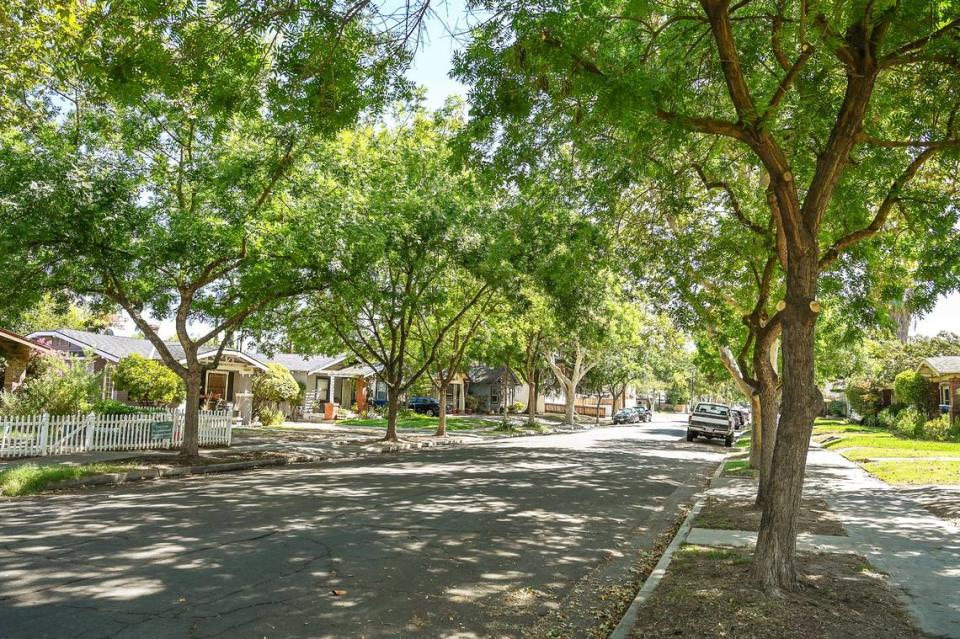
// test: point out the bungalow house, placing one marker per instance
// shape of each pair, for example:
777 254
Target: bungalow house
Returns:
494 387
15 354
456 391
943 373
342 381
327 379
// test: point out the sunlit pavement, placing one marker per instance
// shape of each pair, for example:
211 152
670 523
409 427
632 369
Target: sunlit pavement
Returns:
463 542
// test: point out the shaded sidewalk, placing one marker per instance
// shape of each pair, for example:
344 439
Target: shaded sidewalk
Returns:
918 550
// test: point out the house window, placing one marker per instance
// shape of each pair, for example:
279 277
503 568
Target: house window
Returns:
944 394
381 392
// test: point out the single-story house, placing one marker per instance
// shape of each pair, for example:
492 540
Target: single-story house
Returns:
494 387
456 391
15 353
326 378
943 373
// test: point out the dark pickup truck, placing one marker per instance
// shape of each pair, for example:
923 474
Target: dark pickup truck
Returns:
712 421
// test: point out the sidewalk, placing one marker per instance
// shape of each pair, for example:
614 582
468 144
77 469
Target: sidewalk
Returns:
918 550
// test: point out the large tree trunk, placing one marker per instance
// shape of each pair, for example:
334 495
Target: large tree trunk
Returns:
393 405
532 399
190 448
570 397
442 418
774 563
756 434
764 366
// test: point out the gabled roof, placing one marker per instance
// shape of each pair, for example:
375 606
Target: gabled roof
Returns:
110 347
229 352
20 340
483 374
944 365
116 347
299 363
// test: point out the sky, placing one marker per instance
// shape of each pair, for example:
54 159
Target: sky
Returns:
430 69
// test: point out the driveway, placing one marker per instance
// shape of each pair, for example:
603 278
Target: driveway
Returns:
480 541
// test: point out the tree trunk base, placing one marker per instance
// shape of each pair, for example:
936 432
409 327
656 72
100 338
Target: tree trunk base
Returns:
189 460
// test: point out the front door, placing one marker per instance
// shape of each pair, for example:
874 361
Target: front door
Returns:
217 385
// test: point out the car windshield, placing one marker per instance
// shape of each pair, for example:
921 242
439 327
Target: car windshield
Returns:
713 409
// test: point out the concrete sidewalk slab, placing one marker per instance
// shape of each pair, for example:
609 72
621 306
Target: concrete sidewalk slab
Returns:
918 550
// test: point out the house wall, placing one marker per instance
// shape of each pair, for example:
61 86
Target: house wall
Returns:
14 373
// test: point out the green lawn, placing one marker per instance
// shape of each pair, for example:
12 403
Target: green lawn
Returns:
825 426
916 472
885 440
421 421
31 478
859 454
739 468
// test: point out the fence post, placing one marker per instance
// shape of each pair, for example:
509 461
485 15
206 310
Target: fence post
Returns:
44 433
88 435
229 420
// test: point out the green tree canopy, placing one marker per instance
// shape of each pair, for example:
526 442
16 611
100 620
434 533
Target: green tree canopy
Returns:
147 380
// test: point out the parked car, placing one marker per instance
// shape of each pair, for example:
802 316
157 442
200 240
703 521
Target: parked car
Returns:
712 421
425 405
645 414
740 418
627 416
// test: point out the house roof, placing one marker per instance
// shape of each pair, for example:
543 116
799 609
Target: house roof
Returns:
11 337
483 374
116 347
944 365
299 363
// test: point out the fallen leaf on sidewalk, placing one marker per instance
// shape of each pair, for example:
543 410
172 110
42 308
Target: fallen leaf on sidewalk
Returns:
339 593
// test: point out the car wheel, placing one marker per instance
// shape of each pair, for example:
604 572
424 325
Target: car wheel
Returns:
728 441
435 413
691 437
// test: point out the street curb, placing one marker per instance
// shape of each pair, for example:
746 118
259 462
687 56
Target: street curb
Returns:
629 619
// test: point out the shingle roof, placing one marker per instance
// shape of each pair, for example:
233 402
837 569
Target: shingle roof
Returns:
119 346
482 374
297 363
945 365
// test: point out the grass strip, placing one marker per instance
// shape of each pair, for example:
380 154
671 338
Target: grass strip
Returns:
27 479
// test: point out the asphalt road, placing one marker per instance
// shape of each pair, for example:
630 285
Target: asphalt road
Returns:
466 542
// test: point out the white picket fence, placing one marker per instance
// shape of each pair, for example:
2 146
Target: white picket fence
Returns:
38 435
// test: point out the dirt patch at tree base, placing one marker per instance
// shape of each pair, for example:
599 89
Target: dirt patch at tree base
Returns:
740 514
707 593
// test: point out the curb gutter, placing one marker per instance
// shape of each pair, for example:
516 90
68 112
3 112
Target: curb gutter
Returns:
629 620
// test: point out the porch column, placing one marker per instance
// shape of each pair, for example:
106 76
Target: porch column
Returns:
330 389
461 400
954 405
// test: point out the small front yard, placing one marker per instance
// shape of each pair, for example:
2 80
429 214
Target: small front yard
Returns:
917 473
895 460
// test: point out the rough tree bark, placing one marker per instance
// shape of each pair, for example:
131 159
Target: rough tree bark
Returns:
442 417
190 449
765 352
393 409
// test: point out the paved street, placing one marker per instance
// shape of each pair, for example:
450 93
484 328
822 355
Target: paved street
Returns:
467 542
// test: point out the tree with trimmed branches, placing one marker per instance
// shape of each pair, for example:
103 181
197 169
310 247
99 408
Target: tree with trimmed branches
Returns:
835 106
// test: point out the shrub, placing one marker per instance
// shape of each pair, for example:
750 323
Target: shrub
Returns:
270 416
912 389
887 418
60 386
113 407
516 407
471 403
863 397
909 423
147 380
273 386
938 429
837 408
